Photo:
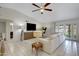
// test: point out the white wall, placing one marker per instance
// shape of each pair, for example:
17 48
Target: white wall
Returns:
52 27
8 29
2 27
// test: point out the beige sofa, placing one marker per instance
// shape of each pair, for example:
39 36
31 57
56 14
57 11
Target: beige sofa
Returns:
25 47
53 42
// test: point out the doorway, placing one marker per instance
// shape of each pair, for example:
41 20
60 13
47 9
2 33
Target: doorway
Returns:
69 30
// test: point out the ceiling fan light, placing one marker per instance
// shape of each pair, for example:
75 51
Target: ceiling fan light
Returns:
42 10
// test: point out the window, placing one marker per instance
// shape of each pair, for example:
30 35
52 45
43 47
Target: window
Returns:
59 28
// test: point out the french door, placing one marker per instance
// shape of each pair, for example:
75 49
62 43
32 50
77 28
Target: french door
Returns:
69 30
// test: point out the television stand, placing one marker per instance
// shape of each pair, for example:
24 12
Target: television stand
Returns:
32 34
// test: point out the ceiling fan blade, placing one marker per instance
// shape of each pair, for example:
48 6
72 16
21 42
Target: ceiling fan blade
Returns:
35 10
35 5
46 4
48 9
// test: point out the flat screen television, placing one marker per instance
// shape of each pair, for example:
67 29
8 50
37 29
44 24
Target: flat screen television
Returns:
31 27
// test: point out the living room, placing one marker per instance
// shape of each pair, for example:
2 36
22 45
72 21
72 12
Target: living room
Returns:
27 31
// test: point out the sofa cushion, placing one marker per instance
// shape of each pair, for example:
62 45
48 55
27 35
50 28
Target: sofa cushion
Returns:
53 36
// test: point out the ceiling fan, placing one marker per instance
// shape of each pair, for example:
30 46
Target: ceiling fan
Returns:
42 8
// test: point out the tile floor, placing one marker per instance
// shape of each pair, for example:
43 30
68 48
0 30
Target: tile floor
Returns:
67 48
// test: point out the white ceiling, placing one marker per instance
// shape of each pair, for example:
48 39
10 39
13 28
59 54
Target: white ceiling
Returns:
60 12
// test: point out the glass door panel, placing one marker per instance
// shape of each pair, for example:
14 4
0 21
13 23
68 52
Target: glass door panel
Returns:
74 31
69 30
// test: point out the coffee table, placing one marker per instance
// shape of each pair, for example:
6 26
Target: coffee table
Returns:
37 46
